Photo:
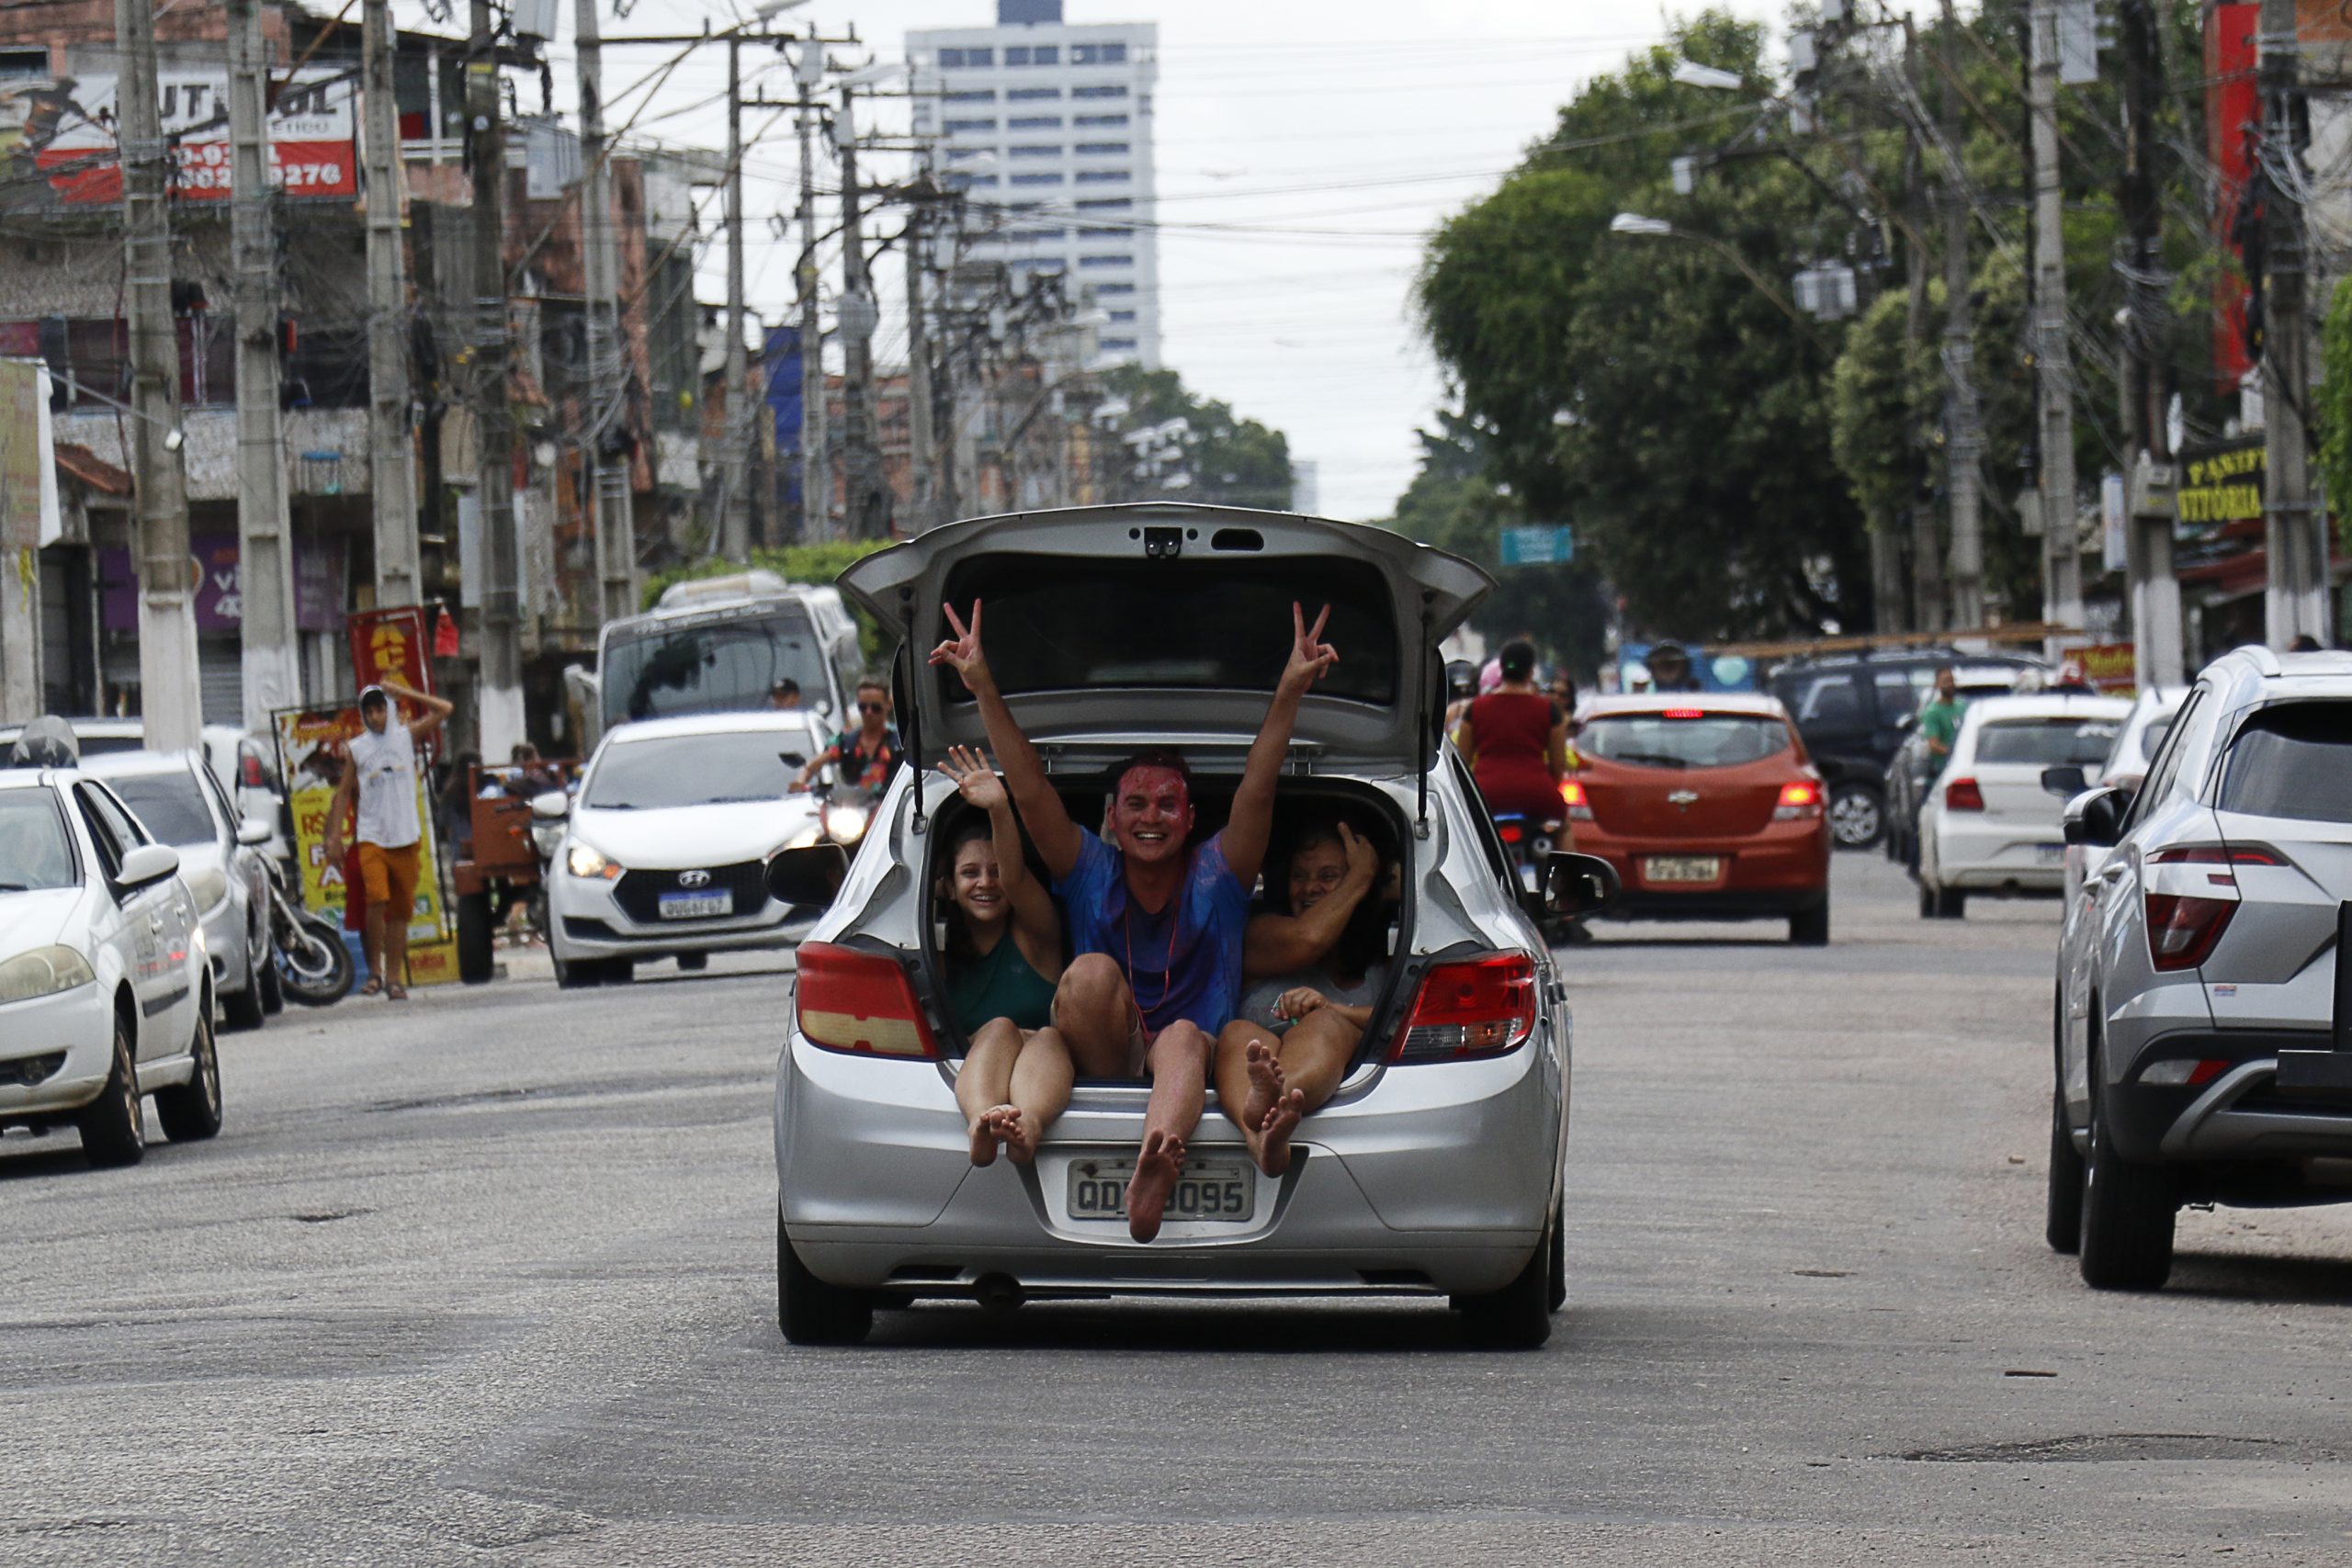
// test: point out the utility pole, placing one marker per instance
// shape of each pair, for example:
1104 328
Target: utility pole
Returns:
391 462
499 696
605 487
2062 566
170 697
1964 426
922 459
265 539
2144 384
2294 530
734 454
816 467
865 512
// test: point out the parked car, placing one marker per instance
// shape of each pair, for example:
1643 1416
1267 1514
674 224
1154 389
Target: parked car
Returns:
244 763
2127 763
1988 825
1707 808
2203 1028
1912 771
1851 708
670 835
1437 1170
105 986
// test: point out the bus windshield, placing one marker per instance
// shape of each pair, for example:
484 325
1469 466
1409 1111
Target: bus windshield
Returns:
728 666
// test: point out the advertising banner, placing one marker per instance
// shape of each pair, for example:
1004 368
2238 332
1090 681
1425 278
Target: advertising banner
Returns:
2112 667
68 124
2219 486
311 744
220 590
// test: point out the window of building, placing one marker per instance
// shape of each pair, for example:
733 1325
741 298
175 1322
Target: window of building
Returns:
1033 235
1110 228
1098 92
1041 149
1034 122
1118 346
1029 94
1101 119
1036 179
1103 176
1040 54
972 182
1115 288
956 125
1123 315
1106 261
960 154
1099 147
1107 203
972 96
1044 266
1098 53
951 59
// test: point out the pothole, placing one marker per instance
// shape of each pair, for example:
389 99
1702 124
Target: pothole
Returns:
2114 1448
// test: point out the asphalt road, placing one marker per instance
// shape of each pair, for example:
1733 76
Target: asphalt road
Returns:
488 1278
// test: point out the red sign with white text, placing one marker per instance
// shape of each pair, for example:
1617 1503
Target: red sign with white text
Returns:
72 124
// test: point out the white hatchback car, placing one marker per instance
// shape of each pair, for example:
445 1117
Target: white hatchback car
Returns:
105 991
666 853
1987 824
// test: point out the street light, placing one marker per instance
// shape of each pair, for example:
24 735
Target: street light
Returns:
1690 74
1659 228
768 10
174 436
1634 223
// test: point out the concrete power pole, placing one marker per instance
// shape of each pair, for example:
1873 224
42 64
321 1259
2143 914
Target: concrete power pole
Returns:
265 538
1964 426
605 487
171 697
391 460
864 511
922 459
734 445
499 694
2294 530
2062 566
816 467
2148 564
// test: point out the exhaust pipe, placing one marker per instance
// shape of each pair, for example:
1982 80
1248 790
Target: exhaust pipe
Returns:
999 1293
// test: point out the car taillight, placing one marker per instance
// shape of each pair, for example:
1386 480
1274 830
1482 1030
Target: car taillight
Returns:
2182 930
1686 713
1572 797
1961 794
1798 799
857 1001
249 773
2213 855
1511 832
1477 1007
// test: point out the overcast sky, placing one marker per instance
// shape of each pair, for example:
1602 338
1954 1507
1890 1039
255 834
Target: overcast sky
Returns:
1312 144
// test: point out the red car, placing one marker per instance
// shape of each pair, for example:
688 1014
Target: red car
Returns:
1707 806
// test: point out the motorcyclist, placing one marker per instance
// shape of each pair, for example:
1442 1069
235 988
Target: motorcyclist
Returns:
1516 738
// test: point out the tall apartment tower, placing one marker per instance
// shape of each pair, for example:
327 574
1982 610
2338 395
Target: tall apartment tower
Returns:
1047 127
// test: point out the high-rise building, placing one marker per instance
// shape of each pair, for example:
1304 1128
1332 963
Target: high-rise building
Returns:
1047 125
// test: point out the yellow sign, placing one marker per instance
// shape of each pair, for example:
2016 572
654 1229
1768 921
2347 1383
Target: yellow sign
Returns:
2220 487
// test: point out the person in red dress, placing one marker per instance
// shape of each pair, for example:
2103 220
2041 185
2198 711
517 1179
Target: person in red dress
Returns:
1516 739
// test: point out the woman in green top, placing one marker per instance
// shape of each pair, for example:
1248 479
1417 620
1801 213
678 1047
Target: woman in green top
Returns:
1004 957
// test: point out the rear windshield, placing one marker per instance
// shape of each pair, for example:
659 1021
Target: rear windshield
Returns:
2292 760
728 666
2046 742
35 854
169 805
2153 736
700 770
1707 740
1058 625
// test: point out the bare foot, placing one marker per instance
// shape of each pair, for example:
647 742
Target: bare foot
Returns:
1273 1137
1265 1085
986 1133
1013 1132
1155 1179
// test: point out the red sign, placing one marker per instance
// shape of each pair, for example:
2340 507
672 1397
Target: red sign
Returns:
71 126
2110 666
393 645
2233 131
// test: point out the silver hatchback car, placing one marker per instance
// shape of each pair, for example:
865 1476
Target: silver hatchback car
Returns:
2204 1034
1435 1169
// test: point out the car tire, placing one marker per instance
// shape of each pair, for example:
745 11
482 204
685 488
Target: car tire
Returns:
811 1312
243 1009
2128 1212
2061 1222
693 963
1518 1316
1857 816
273 984
476 963
191 1111
1557 1266
576 975
114 1125
1942 903
1810 928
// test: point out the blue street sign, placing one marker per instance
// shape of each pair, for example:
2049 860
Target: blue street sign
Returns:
1539 546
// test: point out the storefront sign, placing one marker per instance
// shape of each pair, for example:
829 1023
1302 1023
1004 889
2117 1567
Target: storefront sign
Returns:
220 592
2218 486
69 123
2112 667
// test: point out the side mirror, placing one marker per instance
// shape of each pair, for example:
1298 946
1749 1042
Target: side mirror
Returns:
2095 818
147 864
551 806
2065 782
254 832
1577 884
810 875
1906 722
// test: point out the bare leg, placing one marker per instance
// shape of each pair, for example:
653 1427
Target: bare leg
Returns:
1248 1077
1180 1065
985 1085
371 938
1315 1057
1094 1013
395 946
1041 1081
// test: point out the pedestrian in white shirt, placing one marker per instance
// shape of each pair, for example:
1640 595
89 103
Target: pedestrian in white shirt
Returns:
378 787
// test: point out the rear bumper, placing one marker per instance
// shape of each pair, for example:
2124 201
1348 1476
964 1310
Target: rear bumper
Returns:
1430 1178
2242 1115
1778 872
1999 856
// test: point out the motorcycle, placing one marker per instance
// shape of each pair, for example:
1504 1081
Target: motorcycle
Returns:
314 967
1529 841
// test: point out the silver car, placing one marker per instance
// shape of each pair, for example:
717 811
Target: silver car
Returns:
1436 1169
2204 1021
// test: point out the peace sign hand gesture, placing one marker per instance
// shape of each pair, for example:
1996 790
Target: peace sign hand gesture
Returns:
973 778
962 652
1309 655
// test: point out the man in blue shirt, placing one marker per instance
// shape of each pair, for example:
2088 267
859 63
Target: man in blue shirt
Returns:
1156 920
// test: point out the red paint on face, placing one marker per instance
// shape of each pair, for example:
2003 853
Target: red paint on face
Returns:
1152 816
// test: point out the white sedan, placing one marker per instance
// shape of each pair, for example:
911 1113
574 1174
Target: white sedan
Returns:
666 853
106 990
1988 825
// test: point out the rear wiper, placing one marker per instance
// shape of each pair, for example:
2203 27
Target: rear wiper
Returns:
14 887
1653 759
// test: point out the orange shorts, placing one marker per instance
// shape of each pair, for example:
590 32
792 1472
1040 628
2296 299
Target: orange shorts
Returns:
390 878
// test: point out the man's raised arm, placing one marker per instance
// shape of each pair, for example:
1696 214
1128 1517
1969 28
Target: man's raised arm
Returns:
1056 837
1252 821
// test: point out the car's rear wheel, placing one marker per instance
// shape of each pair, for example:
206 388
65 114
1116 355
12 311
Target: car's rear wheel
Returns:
2128 1212
811 1312
114 1125
1518 1316
2061 1222
475 960
1810 928
1857 816
191 1111
244 1007
273 984
1942 903
1558 1249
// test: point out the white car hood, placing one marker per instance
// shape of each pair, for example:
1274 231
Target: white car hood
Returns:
678 837
36 920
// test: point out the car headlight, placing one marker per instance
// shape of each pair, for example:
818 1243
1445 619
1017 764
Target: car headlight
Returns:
207 887
585 862
43 972
846 824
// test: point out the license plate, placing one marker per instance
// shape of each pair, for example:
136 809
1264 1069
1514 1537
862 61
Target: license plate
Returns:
1215 1189
697 906
2050 854
1682 868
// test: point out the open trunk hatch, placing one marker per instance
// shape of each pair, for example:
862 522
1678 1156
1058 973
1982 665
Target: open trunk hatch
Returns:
1176 618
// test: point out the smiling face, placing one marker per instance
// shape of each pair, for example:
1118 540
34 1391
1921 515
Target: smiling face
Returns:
1152 814
1316 872
976 885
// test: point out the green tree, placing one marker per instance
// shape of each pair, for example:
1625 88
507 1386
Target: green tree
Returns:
1229 460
